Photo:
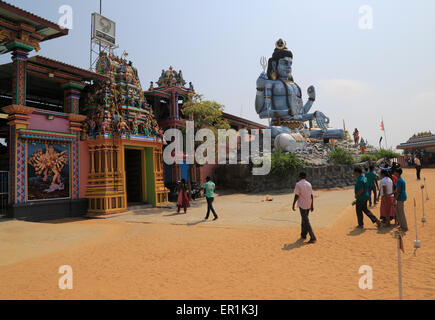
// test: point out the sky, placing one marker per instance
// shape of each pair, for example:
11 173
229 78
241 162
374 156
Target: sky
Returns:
360 75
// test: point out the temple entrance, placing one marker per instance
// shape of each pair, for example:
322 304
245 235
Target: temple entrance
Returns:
134 176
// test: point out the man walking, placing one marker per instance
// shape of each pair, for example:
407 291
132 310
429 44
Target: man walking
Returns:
304 198
417 163
372 182
209 187
401 197
362 196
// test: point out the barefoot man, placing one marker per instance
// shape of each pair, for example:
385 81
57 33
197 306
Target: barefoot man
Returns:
304 198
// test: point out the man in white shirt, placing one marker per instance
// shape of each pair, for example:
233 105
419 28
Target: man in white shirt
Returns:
417 163
304 198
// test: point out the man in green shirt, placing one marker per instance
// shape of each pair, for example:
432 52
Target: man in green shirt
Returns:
209 187
372 183
362 196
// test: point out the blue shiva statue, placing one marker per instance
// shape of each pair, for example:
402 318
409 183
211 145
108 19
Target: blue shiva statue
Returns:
279 99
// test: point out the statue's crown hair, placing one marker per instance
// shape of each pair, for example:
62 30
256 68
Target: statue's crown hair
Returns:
281 44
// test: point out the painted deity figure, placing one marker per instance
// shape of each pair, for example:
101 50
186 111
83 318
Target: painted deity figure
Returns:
356 136
48 164
279 98
363 146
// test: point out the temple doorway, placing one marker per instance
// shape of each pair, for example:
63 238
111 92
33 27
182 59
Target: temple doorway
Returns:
134 176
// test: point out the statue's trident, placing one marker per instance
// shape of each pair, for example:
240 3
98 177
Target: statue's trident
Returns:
263 63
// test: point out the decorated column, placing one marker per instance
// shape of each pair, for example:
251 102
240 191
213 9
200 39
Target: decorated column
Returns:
18 120
19 73
72 93
75 127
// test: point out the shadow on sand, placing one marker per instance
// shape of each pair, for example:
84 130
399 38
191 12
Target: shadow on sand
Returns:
356 232
190 224
174 214
386 229
298 244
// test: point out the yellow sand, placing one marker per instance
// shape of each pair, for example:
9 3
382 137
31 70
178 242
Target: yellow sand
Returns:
159 256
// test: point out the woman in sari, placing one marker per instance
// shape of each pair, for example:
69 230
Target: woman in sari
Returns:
183 199
387 198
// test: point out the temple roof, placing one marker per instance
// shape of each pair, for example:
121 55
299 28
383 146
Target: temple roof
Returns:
417 141
232 119
171 78
64 67
47 29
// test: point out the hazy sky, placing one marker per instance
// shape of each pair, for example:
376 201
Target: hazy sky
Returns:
360 75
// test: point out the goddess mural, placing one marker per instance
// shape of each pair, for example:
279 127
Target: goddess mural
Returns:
279 99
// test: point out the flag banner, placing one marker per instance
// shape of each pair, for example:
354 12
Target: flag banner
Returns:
382 126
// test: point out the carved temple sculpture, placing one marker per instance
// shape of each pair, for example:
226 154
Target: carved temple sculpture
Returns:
279 99
119 122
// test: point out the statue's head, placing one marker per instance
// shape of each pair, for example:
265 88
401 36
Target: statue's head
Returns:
280 65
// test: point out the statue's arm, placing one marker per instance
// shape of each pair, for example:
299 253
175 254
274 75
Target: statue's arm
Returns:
311 98
261 90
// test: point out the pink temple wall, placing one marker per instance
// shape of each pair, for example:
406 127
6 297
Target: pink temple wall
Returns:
207 170
84 167
40 122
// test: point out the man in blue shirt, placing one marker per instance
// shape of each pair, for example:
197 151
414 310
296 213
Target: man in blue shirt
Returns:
372 183
401 197
362 196
209 187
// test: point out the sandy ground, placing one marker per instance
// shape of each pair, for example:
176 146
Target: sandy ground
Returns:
251 252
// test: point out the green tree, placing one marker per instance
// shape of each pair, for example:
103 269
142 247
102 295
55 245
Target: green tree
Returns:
206 113
341 156
284 163
386 154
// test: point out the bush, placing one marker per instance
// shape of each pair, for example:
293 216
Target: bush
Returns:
368 157
341 156
284 163
386 154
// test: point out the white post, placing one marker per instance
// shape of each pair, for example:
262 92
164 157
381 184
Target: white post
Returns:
427 195
399 264
423 219
417 243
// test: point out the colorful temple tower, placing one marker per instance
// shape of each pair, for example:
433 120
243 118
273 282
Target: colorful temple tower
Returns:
167 99
124 139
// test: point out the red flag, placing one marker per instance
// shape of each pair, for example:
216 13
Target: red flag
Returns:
382 125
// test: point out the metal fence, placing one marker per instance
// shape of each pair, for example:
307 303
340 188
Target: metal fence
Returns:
4 192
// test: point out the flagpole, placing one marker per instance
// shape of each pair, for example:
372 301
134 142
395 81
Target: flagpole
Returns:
385 134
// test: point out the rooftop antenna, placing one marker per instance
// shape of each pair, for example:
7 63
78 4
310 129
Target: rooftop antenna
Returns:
103 37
